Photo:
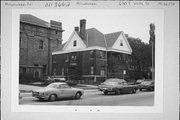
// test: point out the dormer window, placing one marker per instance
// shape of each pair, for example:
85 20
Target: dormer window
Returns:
74 43
121 43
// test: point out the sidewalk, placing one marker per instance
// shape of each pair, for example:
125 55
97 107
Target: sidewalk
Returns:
28 88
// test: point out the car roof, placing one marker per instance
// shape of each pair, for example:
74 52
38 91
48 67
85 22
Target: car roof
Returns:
115 80
59 83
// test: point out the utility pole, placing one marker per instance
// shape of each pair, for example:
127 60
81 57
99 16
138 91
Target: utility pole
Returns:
152 43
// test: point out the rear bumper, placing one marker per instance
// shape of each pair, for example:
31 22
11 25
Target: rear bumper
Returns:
146 87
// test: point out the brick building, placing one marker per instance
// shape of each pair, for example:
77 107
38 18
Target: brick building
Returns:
90 56
37 40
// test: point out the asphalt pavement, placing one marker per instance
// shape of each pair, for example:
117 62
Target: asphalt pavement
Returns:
94 97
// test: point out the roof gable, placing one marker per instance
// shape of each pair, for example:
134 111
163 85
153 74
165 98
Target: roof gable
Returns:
97 40
122 44
74 42
111 38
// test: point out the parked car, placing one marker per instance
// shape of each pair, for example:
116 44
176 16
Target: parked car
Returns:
139 81
71 82
52 80
57 90
147 84
117 86
20 96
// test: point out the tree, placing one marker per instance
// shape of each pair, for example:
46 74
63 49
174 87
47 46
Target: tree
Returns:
141 57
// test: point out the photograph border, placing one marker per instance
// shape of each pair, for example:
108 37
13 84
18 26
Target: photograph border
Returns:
158 96
168 69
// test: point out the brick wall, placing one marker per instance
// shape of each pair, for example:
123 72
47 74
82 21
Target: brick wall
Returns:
30 52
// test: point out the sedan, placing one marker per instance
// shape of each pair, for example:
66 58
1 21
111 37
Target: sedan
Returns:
117 86
57 90
147 84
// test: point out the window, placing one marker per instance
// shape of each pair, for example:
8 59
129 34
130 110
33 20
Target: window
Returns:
24 70
91 54
36 74
64 86
74 43
54 71
101 55
91 70
36 64
67 59
62 71
119 58
73 57
41 44
121 43
44 69
102 72
54 59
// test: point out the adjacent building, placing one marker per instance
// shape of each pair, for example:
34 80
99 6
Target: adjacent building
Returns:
90 57
37 40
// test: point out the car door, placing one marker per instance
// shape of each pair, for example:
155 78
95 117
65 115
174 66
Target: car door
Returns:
126 87
60 92
67 91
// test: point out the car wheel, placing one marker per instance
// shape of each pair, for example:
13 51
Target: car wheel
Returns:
105 92
78 95
52 97
151 89
140 89
118 92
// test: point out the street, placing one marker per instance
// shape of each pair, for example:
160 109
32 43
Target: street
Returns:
97 98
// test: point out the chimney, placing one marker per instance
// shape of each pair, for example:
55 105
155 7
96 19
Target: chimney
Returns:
55 24
76 29
127 35
83 29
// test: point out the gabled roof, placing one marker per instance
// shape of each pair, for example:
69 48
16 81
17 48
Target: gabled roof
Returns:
28 18
95 38
111 38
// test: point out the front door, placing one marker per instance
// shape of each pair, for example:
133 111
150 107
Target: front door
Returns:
36 74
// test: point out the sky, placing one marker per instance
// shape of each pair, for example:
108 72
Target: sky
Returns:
134 22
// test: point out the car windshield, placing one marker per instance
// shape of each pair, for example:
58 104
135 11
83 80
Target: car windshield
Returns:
146 82
111 83
52 86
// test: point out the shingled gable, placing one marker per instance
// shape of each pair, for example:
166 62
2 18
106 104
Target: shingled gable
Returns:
28 18
114 40
80 44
